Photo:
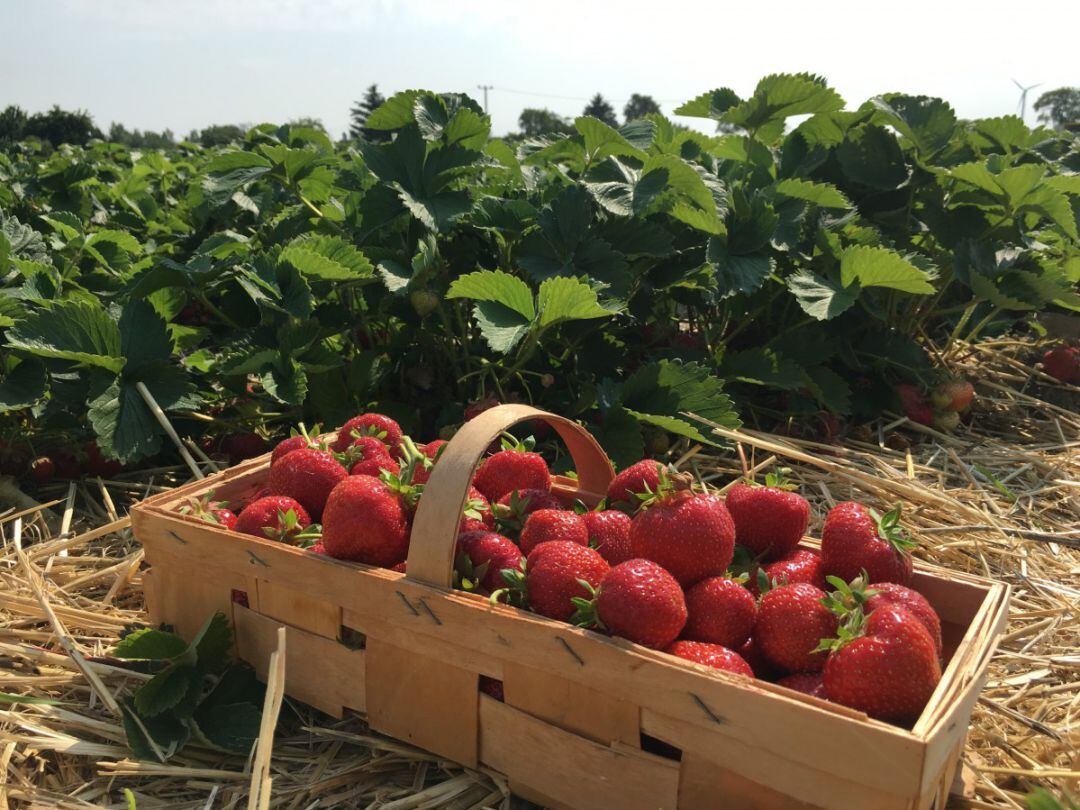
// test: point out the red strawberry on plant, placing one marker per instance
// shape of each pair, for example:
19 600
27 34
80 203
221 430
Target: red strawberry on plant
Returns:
884 664
366 521
719 611
67 466
954 395
513 467
206 508
1062 363
477 407
381 427
914 404
98 465
809 683
242 446
857 539
308 476
369 456
609 533
691 535
801 565
637 479
554 574
791 622
711 655
769 520
42 470
547 525
637 600
277 517
482 557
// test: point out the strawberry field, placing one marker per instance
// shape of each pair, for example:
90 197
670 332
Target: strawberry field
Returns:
829 359
788 275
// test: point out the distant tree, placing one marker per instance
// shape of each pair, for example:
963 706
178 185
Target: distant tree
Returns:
600 108
359 113
309 122
534 122
218 134
59 126
639 106
1060 107
12 125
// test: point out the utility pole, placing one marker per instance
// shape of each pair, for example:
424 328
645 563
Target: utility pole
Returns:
485 88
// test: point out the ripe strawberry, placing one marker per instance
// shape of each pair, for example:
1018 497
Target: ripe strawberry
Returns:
554 573
801 565
67 466
381 427
297 440
477 515
547 525
609 533
719 611
278 517
885 666
308 476
955 395
482 557
638 600
791 622
477 407
711 655
431 453
206 508
637 479
857 539
889 593
515 507
769 520
914 404
98 465
318 548
241 446
751 653
42 470
691 535
810 683
513 467
492 687
366 521
1062 363
369 456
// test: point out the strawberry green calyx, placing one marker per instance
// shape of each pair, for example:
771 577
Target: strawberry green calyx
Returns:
508 441
288 527
309 537
853 626
672 484
369 430
890 530
780 480
313 437
516 592
469 577
204 508
848 597
401 483
585 614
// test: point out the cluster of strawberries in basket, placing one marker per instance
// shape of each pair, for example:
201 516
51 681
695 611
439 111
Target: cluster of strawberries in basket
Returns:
719 581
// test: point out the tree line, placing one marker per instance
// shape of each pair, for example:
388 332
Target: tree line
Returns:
1058 108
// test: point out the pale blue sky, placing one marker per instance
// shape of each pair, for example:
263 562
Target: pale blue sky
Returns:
184 64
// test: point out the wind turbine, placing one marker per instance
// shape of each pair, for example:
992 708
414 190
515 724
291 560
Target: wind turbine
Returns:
1023 96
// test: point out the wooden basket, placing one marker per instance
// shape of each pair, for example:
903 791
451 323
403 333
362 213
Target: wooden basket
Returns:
582 711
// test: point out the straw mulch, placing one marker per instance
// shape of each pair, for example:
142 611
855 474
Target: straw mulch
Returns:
1000 498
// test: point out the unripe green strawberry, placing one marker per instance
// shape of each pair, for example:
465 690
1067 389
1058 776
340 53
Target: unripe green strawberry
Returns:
424 302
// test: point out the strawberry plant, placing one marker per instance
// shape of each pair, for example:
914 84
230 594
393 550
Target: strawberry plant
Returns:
626 276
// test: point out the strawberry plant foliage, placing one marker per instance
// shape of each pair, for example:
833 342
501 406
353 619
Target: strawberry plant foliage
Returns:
789 265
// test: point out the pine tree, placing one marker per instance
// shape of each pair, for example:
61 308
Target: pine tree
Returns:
359 113
639 106
600 108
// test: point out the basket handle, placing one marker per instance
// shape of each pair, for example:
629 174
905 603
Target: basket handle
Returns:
435 526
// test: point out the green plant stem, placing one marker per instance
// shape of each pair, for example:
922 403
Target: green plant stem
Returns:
968 312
